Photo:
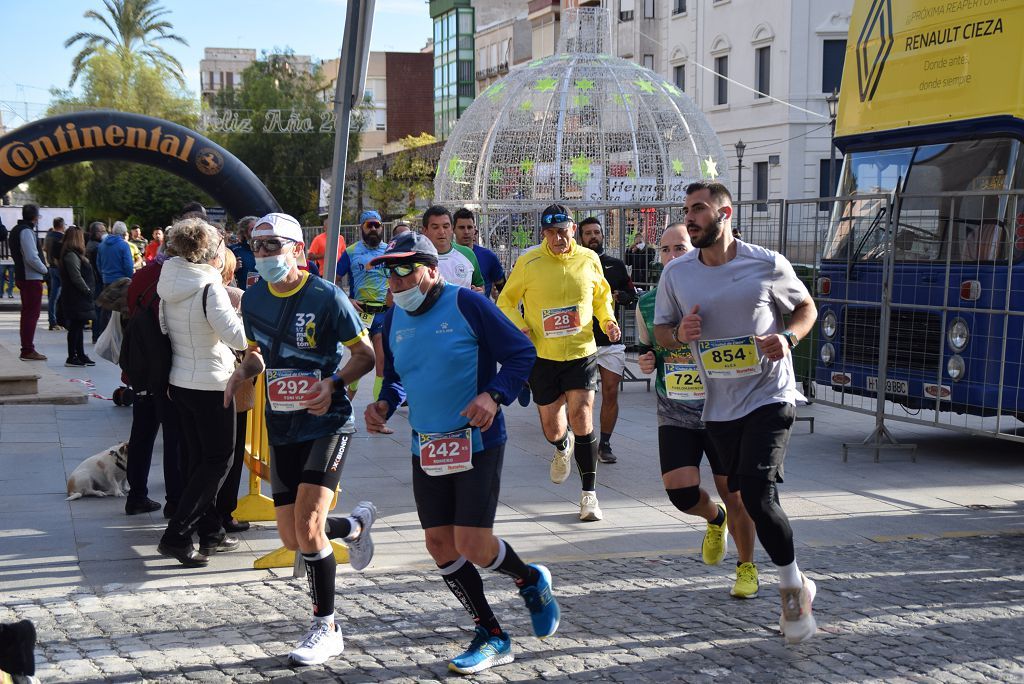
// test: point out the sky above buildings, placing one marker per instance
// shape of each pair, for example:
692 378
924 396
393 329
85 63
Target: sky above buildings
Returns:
33 58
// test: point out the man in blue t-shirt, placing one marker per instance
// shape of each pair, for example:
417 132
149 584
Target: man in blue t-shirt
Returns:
296 324
467 234
458 434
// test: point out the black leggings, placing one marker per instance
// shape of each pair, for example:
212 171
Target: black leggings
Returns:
761 499
76 339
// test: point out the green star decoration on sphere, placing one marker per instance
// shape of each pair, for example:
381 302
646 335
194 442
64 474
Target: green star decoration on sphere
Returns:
708 168
522 237
626 99
527 166
495 89
495 176
584 84
581 168
677 167
545 85
631 238
646 86
631 173
526 105
580 100
456 168
669 88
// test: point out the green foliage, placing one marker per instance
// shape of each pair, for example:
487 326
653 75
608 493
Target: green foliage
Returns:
407 178
134 30
289 163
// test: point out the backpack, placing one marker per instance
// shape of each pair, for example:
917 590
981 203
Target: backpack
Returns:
145 349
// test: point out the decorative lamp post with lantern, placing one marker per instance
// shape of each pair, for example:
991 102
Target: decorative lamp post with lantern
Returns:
833 109
740 147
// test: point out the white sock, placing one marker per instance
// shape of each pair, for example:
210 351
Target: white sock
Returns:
357 529
325 619
789 576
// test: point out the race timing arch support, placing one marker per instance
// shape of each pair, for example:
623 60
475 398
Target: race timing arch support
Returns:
86 136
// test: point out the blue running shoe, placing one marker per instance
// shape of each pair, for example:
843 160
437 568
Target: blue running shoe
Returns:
544 610
524 396
484 651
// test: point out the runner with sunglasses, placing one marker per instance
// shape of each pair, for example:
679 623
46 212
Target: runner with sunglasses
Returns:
296 324
367 287
458 438
562 287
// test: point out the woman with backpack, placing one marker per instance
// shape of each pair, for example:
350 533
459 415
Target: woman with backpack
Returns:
75 306
197 315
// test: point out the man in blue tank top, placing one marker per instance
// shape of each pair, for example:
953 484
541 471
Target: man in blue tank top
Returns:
458 434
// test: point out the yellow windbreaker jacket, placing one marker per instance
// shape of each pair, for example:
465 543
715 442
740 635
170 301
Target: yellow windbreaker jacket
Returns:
546 283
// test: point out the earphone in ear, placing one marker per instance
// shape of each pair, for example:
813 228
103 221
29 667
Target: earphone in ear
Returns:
721 216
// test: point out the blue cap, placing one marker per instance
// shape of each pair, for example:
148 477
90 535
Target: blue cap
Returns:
408 247
369 215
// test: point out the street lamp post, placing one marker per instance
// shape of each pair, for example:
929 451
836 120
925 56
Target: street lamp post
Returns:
739 180
833 107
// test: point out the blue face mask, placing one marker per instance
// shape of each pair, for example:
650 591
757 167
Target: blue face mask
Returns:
273 269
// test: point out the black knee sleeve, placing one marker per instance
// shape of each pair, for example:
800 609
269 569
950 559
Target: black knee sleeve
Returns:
684 498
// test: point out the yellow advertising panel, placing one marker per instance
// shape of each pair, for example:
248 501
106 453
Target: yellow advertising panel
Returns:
916 62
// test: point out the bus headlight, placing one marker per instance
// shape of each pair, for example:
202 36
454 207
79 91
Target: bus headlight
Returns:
829 324
955 367
958 334
828 354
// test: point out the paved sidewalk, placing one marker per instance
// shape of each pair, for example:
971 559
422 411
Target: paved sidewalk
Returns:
919 563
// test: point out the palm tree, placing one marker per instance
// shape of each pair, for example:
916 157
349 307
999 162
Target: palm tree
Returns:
135 28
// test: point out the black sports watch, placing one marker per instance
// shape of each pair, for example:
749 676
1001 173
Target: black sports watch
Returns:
496 396
791 338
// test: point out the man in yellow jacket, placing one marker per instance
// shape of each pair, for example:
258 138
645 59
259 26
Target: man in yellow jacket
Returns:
561 287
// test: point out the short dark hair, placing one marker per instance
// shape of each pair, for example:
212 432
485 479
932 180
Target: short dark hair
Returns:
719 193
58 222
193 210
591 220
30 211
462 213
97 228
436 210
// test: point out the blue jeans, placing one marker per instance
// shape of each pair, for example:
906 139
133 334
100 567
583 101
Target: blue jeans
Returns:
7 276
52 294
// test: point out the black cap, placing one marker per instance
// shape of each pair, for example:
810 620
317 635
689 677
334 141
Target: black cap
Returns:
555 215
408 247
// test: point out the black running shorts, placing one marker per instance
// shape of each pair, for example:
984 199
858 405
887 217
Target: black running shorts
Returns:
317 462
549 379
681 447
754 445
467 499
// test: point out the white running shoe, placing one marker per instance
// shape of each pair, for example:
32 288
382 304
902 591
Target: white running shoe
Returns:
360 549
589 509
561 463
797 620
322 642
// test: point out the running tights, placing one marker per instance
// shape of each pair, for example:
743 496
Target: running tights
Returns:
761 499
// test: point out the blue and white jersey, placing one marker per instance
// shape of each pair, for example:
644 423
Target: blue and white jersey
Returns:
365 284
442 359
303 329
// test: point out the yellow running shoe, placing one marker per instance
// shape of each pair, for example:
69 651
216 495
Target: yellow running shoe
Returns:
716 541
746 581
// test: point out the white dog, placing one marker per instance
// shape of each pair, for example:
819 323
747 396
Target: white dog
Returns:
102 474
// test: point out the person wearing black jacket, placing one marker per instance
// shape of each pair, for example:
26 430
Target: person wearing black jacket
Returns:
76 303
611 357
97 231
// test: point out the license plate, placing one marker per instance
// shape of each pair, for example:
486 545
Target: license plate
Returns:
891 386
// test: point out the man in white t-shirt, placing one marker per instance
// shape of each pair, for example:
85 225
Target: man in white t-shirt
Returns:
457 264
726 299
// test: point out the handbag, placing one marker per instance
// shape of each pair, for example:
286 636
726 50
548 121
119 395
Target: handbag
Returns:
108 344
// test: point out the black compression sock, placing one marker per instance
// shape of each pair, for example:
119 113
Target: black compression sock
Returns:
339 527
585 453
321 569
606 438
720 518
464 581
508 562
562 443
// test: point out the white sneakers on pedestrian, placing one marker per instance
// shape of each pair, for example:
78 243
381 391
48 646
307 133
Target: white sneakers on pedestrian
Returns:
589 508
360 549
561 464
322 642
797 620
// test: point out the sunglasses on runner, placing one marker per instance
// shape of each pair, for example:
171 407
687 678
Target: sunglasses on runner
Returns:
270 245
372 224
552 219
401 270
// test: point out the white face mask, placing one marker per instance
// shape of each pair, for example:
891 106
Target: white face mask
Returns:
411 299
641 245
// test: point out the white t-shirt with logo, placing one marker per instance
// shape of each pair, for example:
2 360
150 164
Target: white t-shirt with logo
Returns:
459 267
747 296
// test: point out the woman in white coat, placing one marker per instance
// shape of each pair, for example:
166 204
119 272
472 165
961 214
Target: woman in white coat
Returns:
197 315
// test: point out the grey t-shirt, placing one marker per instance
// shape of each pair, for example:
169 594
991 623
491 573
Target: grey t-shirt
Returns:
744 297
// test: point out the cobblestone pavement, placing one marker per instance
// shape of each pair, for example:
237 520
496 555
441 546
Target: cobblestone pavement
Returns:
955 615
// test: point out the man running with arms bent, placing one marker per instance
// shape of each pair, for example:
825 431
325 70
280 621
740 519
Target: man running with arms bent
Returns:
726 300
296 324
442 344
562 287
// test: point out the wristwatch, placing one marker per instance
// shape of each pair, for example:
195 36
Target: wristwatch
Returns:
791 338
675 334
336 377
496 396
